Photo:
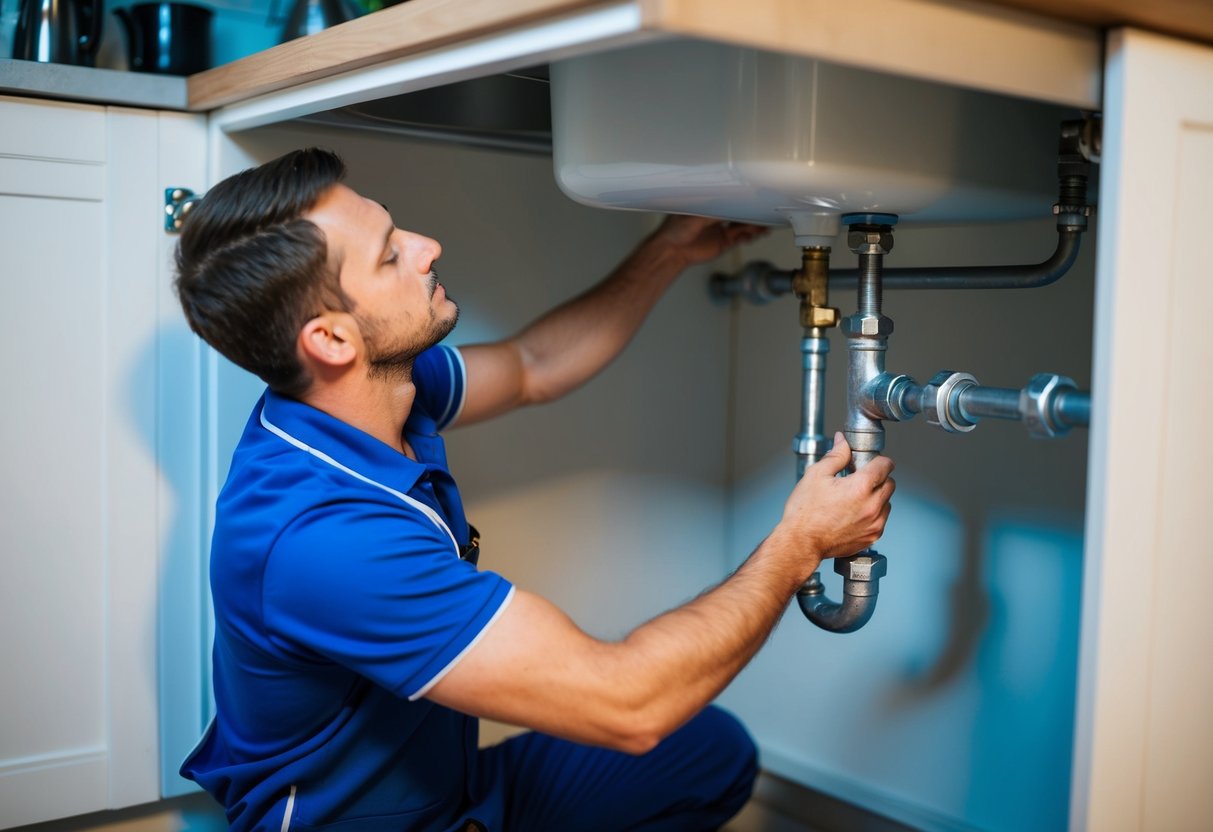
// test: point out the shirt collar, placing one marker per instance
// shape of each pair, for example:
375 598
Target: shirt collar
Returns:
353 448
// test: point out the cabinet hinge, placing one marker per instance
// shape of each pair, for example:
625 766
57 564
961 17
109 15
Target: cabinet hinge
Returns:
177 203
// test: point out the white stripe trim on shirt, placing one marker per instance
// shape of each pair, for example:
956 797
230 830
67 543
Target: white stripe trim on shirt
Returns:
456 364
290 810
420 506
451 664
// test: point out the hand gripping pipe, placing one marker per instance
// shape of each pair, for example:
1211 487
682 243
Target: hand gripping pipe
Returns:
867 334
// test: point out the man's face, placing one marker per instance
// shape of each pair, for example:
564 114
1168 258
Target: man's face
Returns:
388 274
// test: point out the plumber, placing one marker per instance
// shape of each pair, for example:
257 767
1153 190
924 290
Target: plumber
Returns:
356 640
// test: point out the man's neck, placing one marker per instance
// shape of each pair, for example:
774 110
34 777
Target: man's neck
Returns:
379 407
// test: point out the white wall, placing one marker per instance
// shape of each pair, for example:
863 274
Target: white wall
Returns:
954 706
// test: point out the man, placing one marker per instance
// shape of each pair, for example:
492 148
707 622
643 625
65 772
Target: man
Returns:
356 641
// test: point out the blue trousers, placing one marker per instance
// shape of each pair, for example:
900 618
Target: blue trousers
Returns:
694 780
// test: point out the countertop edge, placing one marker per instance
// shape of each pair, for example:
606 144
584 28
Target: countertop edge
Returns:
92 86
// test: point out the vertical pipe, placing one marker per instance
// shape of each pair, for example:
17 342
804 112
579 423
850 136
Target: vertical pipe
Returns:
810 443
867 334
870 283
811 285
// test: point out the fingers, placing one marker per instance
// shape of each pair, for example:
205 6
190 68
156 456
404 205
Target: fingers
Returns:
740 232
837 459
875 473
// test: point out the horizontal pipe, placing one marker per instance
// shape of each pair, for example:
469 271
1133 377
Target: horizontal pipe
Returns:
989 402
1073 408
977 277
767 282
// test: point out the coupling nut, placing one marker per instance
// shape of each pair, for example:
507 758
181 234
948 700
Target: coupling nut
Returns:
818 316
867 326
1038 405
939 401
886 397
861 573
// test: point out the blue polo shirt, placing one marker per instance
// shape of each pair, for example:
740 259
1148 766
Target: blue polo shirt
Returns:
340 600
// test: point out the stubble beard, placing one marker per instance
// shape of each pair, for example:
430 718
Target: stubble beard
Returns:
394 362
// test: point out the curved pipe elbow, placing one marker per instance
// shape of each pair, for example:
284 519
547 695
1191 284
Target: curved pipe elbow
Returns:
860 586
845 617
853 613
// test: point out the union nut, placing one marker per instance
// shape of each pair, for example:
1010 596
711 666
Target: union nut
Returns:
1036 402
867 326
862 573
872 241
938 401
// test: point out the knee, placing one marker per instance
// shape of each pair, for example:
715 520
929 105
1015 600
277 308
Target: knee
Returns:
727 741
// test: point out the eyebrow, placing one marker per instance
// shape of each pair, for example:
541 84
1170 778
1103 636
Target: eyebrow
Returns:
387 238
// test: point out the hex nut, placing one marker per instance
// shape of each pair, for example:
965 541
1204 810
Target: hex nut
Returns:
1036 405
867 326
819 316
862 567
870 242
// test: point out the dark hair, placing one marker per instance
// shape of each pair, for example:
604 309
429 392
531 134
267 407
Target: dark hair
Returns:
251 270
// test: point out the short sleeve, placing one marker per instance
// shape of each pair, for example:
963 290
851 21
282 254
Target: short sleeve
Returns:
441 380
374 589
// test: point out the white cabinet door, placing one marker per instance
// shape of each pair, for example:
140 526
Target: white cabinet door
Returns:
1144 738
80 286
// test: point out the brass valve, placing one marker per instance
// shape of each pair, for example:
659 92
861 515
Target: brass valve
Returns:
812 285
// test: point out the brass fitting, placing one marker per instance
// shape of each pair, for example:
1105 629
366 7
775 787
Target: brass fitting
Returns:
812 285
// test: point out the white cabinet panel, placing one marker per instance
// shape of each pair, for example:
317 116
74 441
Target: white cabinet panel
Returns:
81 232
1144 739
52 130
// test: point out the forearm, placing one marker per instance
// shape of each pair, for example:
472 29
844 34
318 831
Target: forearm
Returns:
573 342
671 667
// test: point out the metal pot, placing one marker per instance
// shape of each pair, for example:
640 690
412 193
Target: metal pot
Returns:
167 38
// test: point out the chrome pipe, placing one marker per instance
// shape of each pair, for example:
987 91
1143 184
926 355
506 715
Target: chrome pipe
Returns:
988 402
1073 408
811 444
1049 405
858 596
867 333
863 428
758 282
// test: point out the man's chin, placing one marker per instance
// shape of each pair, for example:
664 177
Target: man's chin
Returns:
445 325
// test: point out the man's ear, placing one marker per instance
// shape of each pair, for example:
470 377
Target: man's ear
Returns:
328 340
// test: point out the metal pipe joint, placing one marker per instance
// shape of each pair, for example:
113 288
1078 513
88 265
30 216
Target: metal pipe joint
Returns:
861 576
1049 405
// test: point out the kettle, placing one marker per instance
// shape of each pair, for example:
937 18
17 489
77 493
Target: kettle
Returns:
58 31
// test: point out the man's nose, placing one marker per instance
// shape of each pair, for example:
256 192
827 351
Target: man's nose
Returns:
428 250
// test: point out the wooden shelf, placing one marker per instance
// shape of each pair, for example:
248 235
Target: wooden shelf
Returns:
1035 48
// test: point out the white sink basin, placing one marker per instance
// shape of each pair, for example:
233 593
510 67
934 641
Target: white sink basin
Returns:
701 128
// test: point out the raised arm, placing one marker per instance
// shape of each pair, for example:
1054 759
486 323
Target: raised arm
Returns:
570 344
535 668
